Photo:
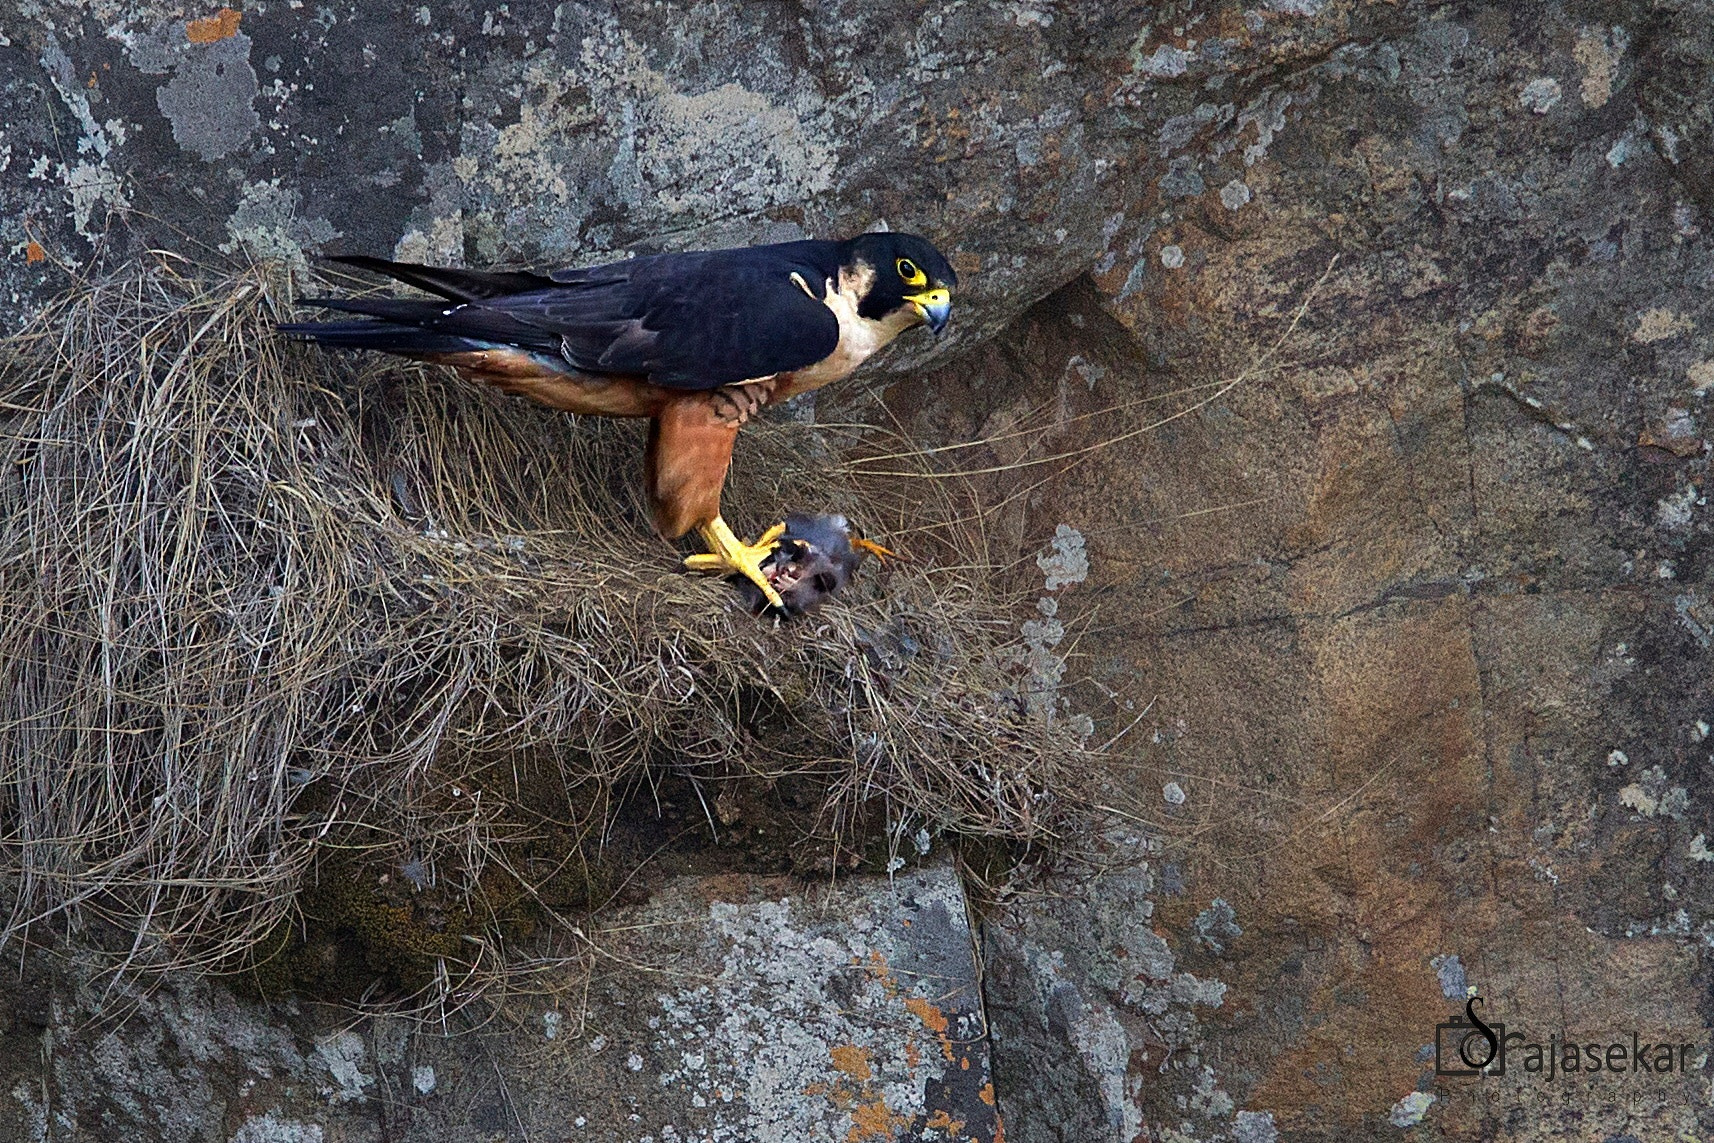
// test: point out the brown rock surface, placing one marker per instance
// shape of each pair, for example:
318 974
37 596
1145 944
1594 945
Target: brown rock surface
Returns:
1418 604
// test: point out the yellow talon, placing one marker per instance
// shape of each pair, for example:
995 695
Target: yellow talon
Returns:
731 554
874 549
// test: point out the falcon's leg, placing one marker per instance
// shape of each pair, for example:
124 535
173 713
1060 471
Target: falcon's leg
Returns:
690 449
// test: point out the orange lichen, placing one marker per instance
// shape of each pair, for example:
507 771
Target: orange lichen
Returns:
853 1061
873 1121
944 1122
986 1095
933 1019
964 1064
842 1097
222 25
913 1057
34 251
883 975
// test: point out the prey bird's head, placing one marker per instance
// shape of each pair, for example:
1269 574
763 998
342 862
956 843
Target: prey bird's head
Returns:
816 557
909 275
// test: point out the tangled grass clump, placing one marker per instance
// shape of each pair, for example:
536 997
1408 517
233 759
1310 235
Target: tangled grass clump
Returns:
264 612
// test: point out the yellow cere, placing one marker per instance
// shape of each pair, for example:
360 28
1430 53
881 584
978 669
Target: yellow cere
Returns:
935 297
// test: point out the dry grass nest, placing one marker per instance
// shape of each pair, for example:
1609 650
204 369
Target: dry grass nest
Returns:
290 638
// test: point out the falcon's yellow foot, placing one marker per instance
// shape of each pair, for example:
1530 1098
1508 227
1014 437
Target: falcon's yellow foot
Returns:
874 549
732 555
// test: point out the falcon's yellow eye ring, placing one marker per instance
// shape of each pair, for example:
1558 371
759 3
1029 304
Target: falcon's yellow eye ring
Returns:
909 271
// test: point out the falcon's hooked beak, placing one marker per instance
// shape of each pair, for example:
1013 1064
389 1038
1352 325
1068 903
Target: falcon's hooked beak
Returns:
934 307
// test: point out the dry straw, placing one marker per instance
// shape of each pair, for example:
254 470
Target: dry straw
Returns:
260 605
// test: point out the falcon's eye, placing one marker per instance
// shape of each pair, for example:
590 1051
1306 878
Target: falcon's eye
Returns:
910 273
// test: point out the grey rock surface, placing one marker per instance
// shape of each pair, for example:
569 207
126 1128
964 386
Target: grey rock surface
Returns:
538 132
737 1008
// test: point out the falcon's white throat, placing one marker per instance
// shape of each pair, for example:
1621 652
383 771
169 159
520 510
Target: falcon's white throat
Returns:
859 337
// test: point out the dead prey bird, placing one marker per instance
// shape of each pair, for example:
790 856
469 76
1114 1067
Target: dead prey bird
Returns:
813 557
696 342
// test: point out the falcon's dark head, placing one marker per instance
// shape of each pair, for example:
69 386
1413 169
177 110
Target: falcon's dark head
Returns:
910 274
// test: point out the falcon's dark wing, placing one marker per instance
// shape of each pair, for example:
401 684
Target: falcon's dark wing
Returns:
683 321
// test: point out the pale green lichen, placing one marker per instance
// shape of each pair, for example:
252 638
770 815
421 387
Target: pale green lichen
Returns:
858 1036
91 184
210 99
266 224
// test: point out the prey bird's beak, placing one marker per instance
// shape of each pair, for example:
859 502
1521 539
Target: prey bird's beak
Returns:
935 306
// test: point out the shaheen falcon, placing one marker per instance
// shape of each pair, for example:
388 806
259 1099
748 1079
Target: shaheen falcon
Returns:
697 342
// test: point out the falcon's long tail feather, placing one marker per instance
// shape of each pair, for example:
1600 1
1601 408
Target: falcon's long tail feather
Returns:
385 336
453 284
407 326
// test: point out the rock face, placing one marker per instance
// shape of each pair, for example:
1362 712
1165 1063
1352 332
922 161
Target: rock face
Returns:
552 133
1413 617
734 1008
1420 602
